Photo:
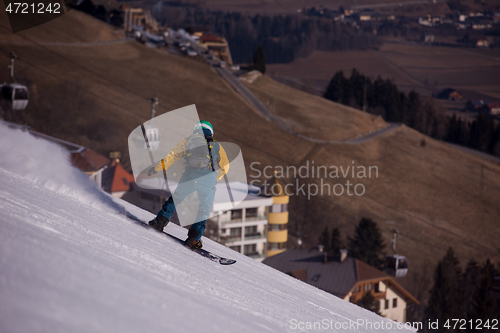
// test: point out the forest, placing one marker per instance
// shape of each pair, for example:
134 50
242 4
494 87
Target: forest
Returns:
283 38
426 115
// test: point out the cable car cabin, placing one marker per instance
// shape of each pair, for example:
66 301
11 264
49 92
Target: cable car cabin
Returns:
396 265
153 135
16 95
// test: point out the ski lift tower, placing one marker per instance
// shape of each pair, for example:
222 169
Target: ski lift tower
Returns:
396 265
15 95
153 133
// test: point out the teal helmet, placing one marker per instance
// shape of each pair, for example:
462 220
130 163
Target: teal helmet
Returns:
207 128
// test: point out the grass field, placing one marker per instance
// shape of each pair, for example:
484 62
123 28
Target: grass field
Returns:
95 95
311 115
422 68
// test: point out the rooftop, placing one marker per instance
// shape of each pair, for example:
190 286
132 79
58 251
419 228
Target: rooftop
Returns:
116 179
332 276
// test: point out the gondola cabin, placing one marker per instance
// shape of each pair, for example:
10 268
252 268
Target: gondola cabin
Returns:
16 95
396 265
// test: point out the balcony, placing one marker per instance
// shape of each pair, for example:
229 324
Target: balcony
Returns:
277 236
239 220
228 239
254 255
278 218
255 235
255 218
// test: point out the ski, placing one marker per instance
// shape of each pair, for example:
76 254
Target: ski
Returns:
202 252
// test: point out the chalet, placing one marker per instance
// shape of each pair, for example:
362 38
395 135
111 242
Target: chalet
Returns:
116 180
86 160
449 94
494 108
429 39
91 163
107 175
345 277
483 43
478 105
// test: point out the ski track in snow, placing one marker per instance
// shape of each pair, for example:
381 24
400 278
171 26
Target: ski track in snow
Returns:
70 261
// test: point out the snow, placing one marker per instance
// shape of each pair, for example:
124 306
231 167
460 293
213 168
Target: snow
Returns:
70 261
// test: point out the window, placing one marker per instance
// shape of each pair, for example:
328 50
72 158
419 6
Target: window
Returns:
390 262
376 287
278 208
20 94
368 287
236 214
386 305
251 212
236 248
273 246
277 227
235 232
357 289
251 231
276 246
315 277
250 249
394 302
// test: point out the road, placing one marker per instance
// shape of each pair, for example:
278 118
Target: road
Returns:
240 88
254 102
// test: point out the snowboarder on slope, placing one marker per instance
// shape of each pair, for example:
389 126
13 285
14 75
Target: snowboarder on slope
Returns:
203 158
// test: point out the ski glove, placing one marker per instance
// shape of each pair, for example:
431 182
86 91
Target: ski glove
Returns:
152 171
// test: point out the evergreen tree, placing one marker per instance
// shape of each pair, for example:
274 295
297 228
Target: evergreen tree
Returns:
412 107
357 85
337 89
335 241
469 106
484 306
370 303
445 299
259 60
367 244
324 239
470 282
481 132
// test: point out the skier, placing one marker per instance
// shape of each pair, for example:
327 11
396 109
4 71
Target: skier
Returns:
203 158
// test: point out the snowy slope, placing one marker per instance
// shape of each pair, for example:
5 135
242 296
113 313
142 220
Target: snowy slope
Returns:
71 262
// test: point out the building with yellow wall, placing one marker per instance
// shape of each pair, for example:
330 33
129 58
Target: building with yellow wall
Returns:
277 232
